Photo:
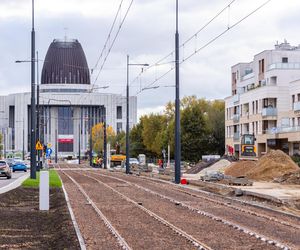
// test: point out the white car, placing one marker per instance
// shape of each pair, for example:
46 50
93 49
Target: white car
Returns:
133 161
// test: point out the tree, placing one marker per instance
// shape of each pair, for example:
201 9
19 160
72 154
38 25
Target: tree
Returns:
193 132
98 136
119 142
216 125
136 140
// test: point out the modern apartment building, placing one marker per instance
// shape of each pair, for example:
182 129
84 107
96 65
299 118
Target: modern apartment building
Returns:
265 101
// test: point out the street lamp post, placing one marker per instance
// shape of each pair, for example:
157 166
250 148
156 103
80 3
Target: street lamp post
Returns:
127 111
177 105
33 119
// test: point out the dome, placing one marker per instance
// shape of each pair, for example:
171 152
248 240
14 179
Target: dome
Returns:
65 63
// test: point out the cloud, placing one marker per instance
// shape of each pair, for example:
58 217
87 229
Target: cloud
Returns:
147 36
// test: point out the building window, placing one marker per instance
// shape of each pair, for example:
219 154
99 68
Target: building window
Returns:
65 121
119 127
285 60
119 112
298 97
293 98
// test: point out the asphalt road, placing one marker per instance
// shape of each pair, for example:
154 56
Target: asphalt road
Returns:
4 182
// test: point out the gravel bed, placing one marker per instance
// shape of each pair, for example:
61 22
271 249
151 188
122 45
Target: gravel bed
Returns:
200 227
283 233
96 235
138 229
184 194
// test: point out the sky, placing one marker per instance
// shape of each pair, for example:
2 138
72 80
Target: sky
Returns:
147 35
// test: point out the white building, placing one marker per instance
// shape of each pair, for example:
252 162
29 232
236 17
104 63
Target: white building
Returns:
67 103
265 101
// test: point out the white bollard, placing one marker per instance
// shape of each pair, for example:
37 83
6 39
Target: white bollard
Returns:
44 190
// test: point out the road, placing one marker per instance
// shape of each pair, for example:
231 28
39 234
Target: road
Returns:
16 180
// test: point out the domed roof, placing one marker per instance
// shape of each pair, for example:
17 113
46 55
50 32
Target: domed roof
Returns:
65 63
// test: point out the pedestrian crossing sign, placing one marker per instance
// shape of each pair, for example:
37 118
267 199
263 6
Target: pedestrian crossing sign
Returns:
38 146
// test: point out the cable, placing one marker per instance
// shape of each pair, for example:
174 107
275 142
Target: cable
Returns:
210 41
108 37
113 42
188 40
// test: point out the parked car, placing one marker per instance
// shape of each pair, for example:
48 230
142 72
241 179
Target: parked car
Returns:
5 170
133 161
19 166
10 161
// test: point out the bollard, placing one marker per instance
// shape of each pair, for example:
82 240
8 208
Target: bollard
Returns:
44 190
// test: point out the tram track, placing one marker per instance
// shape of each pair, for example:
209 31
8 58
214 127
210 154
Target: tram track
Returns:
231 223
186 241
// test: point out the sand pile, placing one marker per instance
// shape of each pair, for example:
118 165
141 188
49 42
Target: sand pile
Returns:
272 165
290 178
219 166
240 168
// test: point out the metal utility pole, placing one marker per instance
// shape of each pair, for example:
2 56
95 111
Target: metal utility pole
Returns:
23 147
177 105
38 109
56 146
33 115
127 119
104 141
79 134
127 112
91 143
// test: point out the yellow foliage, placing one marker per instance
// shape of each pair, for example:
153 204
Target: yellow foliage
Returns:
98 136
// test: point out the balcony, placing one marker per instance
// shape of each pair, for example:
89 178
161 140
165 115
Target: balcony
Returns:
277 130
284 66
269 112
236 98
297 106
236 118
236 136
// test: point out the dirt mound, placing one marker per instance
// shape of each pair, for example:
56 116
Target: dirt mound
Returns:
290 178
240 168
272 165
200 166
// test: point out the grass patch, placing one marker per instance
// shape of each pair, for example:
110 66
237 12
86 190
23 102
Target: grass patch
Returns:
54 181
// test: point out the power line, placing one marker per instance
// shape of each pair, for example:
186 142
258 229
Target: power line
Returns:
108 37
209 42
113 42
159 62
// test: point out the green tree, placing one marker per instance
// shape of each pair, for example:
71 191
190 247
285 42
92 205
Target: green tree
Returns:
193 132
136 140
216 125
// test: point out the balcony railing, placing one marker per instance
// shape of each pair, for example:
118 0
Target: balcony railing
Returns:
236 136
269 112
248 76
236 98
236 118
297 106
277 130
284 66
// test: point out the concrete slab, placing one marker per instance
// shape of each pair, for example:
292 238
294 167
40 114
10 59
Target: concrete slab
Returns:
279 191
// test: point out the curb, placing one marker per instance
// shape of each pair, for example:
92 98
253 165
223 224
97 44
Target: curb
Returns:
76 227
18 182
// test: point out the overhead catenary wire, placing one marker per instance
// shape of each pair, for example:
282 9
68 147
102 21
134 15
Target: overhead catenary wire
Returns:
159 62
208 43
108 37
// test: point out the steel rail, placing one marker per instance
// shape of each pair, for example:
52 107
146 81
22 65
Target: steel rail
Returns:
228 205
111 228
206 214
191 239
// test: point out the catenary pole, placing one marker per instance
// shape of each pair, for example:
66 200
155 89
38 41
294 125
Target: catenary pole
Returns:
177 105
127 119
33 114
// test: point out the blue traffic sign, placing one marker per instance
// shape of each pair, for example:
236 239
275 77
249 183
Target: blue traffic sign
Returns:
48 151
